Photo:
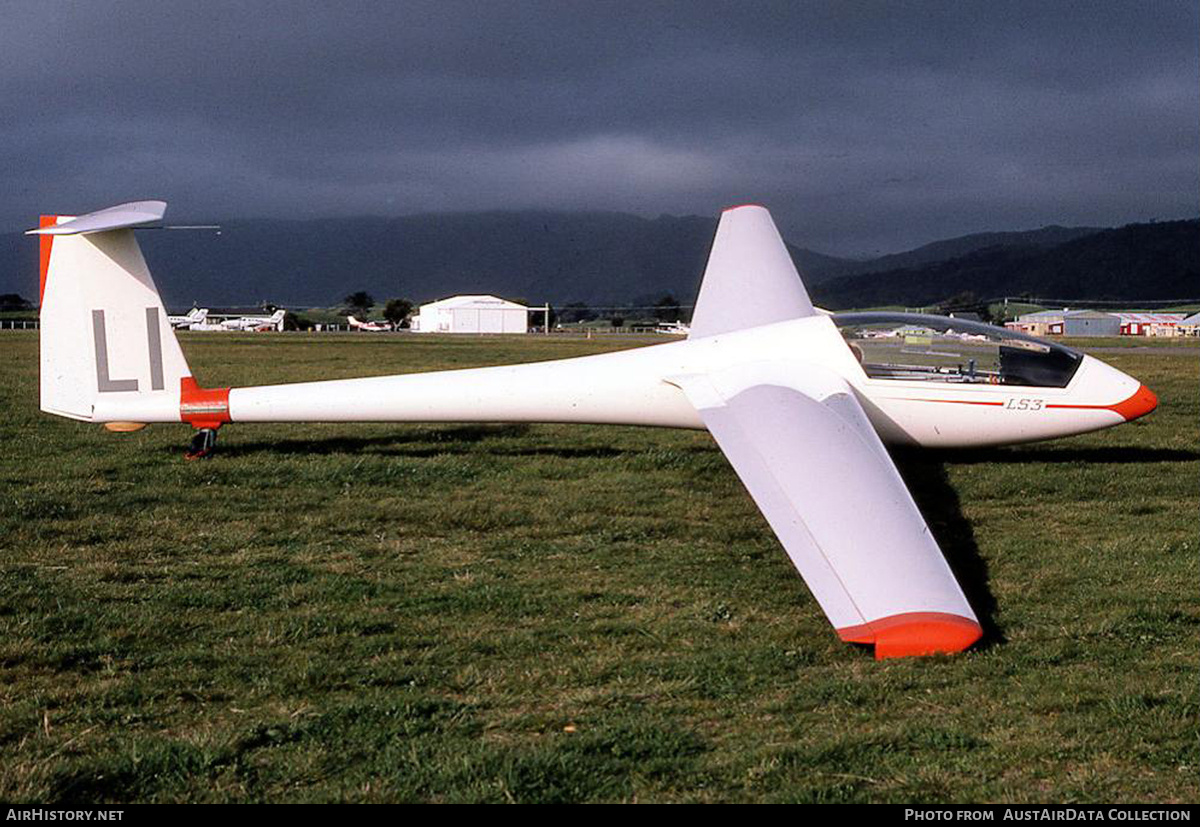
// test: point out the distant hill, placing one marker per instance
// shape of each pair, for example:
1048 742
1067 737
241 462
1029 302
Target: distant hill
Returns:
1138 261
592 257
605 258
964 245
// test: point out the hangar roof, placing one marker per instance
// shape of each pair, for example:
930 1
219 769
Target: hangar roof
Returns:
483 302
1051 315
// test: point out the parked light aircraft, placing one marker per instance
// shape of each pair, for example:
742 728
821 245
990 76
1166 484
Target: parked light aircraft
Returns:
673 329
371 327
196 315
799 401
259 323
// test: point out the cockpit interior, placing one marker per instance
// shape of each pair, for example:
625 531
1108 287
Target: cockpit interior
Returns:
919 348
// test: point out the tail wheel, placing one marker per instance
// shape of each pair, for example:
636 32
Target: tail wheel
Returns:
204 442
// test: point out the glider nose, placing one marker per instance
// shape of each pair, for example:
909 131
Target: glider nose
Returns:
1106 388
1140 403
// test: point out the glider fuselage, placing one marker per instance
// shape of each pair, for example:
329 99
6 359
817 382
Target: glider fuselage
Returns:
636 387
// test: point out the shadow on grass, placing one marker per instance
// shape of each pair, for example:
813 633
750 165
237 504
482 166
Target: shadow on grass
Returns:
424 442
924 473
1119 455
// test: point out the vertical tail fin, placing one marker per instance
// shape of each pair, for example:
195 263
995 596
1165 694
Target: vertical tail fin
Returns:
108 351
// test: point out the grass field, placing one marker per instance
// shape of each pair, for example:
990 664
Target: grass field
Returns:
553 613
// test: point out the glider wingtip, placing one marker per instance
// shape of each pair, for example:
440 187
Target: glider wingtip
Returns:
743 207
915 633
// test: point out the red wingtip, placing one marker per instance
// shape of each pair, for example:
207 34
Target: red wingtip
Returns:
1141 403
915 633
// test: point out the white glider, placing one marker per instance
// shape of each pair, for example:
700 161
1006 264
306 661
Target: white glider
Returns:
799 401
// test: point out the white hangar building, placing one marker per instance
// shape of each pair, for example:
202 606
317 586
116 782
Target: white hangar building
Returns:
472 314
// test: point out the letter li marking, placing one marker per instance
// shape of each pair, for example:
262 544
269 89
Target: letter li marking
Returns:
104 382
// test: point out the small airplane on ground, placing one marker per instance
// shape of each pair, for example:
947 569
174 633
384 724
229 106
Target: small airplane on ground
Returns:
673 329
194 316
256 323
371 327
800 402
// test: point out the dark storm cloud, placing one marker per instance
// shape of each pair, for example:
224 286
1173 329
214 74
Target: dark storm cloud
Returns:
863 125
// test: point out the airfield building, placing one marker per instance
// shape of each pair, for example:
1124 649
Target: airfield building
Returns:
1150 324
472 314
1068 322
1189 326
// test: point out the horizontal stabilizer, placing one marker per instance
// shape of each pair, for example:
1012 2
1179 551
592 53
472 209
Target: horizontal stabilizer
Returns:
122 216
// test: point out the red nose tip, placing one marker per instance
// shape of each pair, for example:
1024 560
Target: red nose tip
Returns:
1141 403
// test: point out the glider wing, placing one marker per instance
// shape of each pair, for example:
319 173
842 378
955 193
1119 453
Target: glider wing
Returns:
804 448
750 279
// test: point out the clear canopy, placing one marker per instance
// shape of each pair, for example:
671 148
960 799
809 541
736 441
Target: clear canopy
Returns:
941 349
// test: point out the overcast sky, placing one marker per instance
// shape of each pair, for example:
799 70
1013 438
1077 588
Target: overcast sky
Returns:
864 126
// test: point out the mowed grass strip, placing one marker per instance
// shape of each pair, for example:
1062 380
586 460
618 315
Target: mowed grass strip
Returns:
554 613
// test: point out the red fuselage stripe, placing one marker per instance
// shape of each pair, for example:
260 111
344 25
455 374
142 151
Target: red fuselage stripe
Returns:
949 401
1140 403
